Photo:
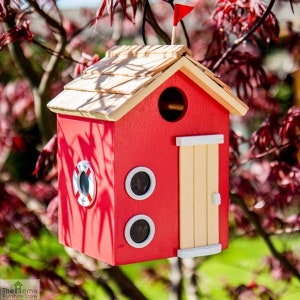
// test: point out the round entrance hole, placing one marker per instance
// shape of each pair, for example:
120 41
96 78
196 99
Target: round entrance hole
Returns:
172 104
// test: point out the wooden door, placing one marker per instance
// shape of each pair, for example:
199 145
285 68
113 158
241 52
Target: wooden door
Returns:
199 196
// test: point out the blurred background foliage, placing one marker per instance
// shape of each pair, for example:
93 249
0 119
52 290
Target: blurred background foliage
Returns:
253 46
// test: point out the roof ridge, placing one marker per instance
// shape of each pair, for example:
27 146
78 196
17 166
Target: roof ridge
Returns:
147 50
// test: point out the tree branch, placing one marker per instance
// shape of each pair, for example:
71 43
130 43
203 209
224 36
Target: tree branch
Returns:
176 278
191 282
266 153
48 19
24 66
187 38
146 6
45 118
253 218
59 49
125 284
152 21
80 30
240 40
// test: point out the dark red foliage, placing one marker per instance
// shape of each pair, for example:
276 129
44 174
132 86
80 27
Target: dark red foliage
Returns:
52 213
244 71
6 261
16 106
241 61
290 129
252 290
18 132
235 140
237 17
242 223
14 215
47 158
270 182
41 191
265 137
2 11
278 272
17 33
85 61
112 5
50 280
278 137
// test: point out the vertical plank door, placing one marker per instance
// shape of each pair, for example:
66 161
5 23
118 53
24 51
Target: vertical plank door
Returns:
199 196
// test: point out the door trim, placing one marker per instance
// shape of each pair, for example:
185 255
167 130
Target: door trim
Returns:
199 251
195 140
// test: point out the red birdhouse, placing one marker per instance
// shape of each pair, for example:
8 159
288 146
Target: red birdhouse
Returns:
143 153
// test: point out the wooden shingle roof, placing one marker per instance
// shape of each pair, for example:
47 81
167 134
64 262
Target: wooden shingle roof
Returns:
127 74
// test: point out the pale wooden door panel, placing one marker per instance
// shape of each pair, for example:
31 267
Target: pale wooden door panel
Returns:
200 194
199 184
212 187
186 220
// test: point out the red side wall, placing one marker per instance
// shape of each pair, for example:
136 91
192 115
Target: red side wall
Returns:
89 230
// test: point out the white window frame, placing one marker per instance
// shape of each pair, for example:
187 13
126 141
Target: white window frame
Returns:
128 183
128 226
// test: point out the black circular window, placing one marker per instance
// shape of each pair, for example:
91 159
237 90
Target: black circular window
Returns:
140 183
84 183
139 231
172 104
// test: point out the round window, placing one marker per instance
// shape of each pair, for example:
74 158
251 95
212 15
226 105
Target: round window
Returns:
84 186
172 104
139 231
140 183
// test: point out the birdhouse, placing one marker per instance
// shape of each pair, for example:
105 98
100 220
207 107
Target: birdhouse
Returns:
143 154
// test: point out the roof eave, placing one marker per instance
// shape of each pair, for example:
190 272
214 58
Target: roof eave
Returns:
214 87
186 64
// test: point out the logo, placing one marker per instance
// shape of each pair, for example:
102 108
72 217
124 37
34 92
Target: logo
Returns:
19 289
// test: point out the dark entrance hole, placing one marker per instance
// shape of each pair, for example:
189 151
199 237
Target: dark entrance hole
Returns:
171 104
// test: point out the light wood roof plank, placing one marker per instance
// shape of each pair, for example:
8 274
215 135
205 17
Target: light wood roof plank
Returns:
108 84
167 50
135 67
89 104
